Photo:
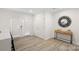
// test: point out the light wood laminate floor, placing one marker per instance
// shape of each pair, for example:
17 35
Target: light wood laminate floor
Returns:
33 43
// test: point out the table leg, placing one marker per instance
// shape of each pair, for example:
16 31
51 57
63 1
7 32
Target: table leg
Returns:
71 39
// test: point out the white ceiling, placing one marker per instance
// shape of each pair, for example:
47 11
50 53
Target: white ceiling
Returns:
35 10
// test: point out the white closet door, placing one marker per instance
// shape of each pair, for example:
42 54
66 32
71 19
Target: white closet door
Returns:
28 25
39 25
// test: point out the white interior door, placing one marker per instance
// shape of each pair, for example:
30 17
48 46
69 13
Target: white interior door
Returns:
39 25
16 27
28 25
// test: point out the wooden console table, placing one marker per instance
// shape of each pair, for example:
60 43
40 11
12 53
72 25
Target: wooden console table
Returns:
67 33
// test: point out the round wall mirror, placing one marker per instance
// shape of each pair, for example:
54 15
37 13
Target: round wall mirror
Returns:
64 21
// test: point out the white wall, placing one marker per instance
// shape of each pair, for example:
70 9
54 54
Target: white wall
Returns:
74 15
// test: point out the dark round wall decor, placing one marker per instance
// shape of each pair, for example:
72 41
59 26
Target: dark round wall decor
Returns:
64 21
